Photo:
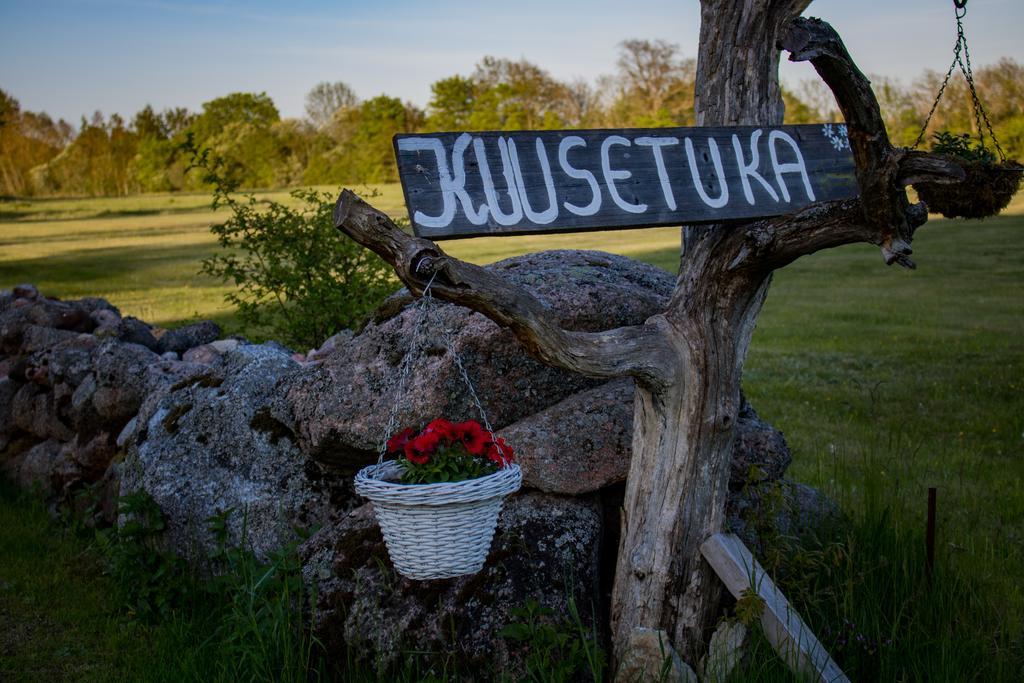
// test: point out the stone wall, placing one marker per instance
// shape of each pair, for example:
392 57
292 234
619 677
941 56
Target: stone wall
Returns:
99 404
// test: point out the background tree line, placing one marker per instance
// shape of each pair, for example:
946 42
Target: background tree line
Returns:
343 139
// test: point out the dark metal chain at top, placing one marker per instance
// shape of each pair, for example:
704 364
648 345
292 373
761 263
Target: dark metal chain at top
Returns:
426 305
962 58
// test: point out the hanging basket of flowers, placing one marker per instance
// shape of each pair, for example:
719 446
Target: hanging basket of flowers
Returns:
438 500
989 186
438 497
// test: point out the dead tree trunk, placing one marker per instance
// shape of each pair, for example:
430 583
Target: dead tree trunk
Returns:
688 361
678 480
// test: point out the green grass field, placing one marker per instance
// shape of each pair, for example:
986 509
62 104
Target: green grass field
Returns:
885 381
143 253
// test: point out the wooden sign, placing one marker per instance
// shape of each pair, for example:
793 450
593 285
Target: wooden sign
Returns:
469 184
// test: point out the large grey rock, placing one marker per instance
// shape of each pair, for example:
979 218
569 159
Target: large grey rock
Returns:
39 338
33 410
725 652
8 389
72 360
208 353
22 312
546 549
759 451
135 331
578 445
584 443
26 290
341 406
93 455
212 442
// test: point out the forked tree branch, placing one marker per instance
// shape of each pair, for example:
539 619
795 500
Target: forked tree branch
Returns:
886 216
641 351
774 243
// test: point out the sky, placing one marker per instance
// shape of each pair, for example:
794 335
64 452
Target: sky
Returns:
72 57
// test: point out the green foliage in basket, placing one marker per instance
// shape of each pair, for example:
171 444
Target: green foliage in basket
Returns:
961 146
447 452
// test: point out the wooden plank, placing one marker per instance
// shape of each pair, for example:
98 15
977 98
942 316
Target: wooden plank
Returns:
507 183
783 627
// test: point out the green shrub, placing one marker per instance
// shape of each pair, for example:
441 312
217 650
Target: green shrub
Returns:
150 582
299 279
558 650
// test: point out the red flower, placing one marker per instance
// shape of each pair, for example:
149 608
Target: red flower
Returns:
442 427
419 450
499 452
472 436
397 442
416 458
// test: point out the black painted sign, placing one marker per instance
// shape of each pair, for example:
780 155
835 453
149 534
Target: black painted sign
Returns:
494 183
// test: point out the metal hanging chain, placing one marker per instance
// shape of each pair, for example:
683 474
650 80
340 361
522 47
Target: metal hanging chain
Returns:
449 342
962 58
403 370
426 305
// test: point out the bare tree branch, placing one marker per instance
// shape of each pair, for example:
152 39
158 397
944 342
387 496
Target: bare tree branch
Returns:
883 199
925 167
640 351
776 242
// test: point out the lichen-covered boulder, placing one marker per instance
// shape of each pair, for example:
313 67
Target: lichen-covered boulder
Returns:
579 445
134 331
341 406
71 360
33 411
8 389
584 443
213 442
759 451
122 380
546 549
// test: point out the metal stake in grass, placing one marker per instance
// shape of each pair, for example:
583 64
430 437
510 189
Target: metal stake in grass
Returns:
929 541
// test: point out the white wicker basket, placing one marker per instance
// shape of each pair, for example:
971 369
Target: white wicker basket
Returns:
436 531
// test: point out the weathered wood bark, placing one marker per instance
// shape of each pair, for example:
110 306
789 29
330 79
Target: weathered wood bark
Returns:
688 361
678 481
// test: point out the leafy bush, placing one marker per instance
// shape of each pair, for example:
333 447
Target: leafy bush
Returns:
558 650
151 583
299 279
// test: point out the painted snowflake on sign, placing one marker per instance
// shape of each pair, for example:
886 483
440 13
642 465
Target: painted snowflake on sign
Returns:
836 134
